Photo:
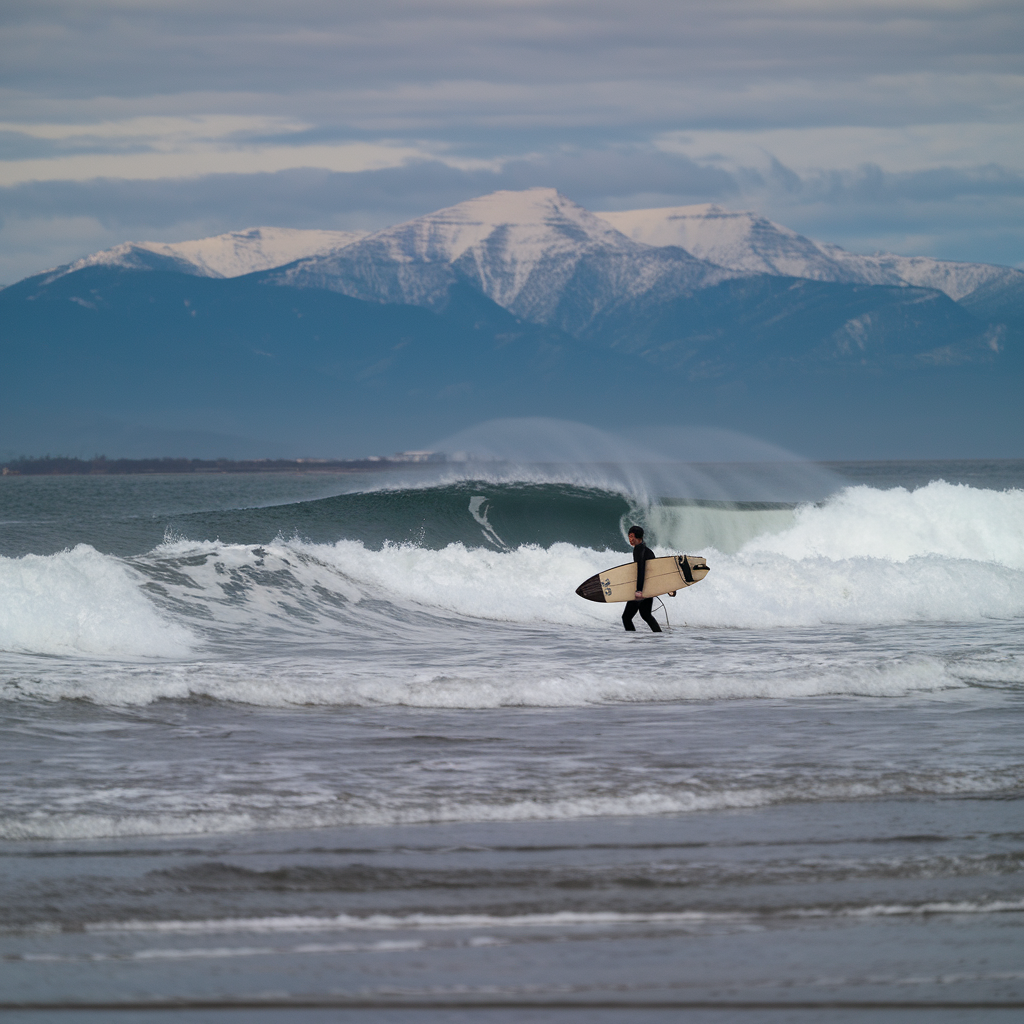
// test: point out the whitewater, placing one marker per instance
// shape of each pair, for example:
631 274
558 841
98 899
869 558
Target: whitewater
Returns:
373 701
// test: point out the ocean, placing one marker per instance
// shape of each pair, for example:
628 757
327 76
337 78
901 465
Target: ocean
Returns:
348 746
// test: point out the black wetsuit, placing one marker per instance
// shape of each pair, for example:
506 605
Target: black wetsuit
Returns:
641 554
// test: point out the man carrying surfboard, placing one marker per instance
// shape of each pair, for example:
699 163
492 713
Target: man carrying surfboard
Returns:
648 574
641 555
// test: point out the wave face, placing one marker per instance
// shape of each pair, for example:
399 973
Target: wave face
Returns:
494 515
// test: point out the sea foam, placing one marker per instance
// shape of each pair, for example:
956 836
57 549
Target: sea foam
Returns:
83 602
229 812
556 919
950 521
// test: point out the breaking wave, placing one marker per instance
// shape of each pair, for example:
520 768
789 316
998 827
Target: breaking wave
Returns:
379 580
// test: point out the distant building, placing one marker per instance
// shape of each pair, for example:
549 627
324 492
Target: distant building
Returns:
417 457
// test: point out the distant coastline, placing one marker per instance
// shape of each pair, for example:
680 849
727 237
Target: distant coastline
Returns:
102 466
876 472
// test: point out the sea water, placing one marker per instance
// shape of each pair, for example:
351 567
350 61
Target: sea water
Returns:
273 741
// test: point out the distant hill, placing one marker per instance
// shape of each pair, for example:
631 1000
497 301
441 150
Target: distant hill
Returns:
517 303
230 255
748 243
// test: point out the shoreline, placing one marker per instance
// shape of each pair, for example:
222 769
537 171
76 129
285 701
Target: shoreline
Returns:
144 467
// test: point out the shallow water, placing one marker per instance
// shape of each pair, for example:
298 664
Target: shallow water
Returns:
334 738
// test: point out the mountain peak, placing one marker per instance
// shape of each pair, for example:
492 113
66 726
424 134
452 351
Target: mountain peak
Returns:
259 248
522 249
747 242
228 255
532 222
738 239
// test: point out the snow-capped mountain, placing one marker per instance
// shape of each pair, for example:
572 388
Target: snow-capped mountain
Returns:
957 280
229 255
744 242
749 243
243 252
549 261
535 253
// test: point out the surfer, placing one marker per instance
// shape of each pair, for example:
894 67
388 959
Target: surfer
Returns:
641 554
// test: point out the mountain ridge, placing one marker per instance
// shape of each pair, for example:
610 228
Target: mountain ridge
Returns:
523 250
746 241
232 254
528 250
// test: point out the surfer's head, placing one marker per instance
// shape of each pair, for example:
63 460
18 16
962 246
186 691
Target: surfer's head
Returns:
636 535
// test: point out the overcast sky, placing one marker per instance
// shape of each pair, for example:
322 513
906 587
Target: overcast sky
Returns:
877 124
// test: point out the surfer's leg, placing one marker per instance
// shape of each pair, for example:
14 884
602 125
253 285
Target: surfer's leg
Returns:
632 607
645 608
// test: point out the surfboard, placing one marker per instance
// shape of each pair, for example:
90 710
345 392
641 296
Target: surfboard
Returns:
663 575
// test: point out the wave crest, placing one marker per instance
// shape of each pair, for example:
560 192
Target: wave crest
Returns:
948 520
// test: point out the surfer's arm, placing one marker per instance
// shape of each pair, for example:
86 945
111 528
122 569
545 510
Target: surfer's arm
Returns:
639 555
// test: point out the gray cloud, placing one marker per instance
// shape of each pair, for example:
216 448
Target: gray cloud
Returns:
973 214
315 198
871 183
407 66
15 145
580 94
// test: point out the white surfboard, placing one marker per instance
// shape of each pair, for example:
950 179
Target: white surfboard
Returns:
662 576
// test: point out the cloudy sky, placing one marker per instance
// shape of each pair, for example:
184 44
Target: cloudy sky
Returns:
877 124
